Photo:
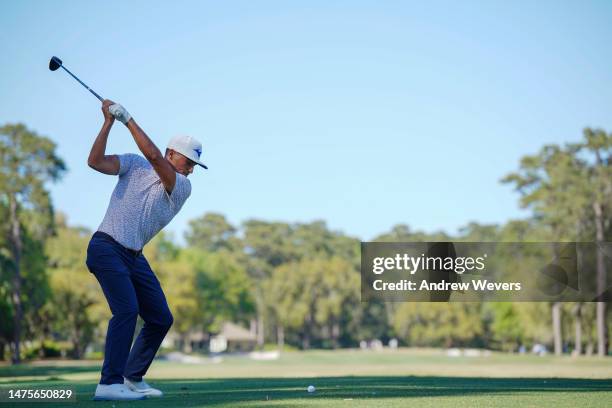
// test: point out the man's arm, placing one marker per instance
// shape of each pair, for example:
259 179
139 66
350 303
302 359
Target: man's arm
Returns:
98 160
163 168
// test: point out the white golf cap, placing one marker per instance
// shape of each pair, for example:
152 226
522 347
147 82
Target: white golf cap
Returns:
188 147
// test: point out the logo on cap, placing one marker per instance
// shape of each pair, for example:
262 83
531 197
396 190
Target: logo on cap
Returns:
198 152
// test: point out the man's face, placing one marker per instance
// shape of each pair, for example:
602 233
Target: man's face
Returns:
181 163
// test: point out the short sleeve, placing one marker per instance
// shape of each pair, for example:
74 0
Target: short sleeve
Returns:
126 162
181 191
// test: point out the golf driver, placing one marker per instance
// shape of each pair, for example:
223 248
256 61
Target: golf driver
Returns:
55 63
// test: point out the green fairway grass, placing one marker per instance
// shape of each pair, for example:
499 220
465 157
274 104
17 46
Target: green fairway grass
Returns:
351 378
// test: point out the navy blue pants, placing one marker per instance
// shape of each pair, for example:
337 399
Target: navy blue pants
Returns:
131 289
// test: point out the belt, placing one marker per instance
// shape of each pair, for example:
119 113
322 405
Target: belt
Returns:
106 236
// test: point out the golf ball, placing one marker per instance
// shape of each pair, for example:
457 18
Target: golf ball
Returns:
311 388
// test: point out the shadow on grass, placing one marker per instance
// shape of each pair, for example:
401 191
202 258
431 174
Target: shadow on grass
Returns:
292 391
27 370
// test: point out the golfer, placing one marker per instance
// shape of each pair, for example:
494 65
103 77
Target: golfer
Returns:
149 193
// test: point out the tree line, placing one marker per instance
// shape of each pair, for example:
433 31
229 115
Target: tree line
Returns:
298 284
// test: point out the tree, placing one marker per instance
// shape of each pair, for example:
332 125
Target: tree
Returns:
223 290
337 283
438 324
6 311
403 233
74 290
542 181
570 190
211 233
395 312
506 325
599 189
474 232
27 162
205 289
178 281
310 294
266 245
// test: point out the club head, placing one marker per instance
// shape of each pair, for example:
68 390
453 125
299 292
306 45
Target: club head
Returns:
55 63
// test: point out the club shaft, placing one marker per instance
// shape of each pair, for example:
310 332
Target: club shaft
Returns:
82 83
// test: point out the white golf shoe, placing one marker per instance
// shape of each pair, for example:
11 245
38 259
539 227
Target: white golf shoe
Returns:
116 392
143 388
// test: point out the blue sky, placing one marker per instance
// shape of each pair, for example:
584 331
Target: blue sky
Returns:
364 114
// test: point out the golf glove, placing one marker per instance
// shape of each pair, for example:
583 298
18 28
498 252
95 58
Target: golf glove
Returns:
120 113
